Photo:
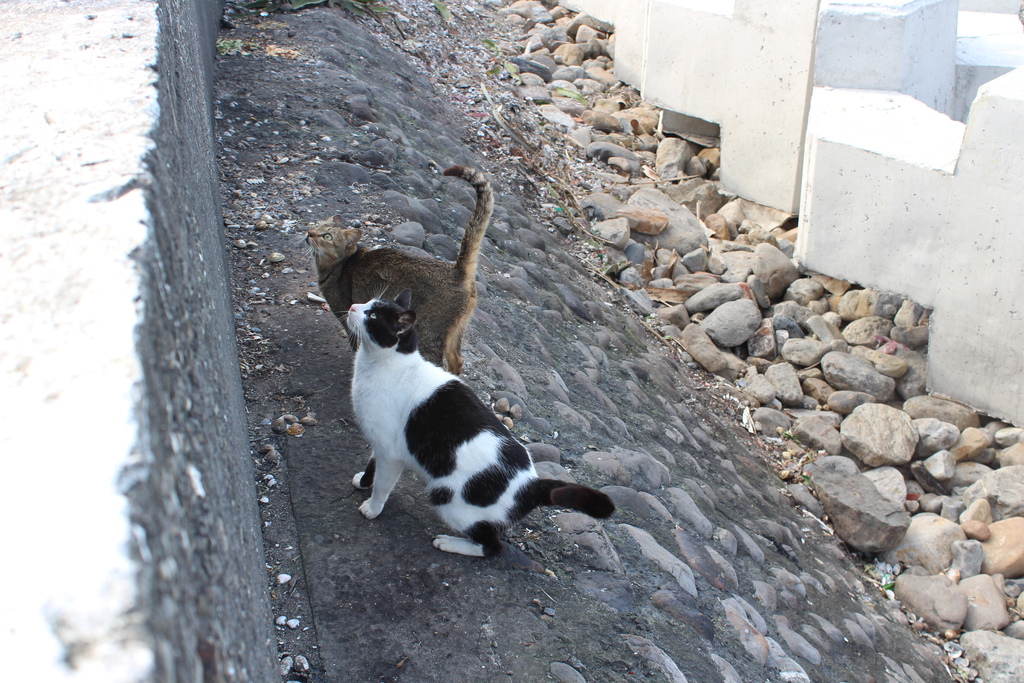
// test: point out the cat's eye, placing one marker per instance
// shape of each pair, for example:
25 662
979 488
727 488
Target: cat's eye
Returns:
328 237
372 316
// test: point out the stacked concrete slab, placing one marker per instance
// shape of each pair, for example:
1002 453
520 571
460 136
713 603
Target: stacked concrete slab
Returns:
133 544
902 198
737 64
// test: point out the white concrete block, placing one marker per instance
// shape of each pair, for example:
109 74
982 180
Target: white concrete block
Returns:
902 45
988 45
900 198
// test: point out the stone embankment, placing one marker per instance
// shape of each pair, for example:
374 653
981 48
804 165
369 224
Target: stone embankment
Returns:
833 374
710 568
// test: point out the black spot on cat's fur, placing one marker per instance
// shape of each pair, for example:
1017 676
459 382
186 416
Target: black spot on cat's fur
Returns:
442 495
487 535
485 488
449 418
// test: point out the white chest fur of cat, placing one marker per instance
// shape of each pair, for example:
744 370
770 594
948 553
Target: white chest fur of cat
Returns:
479 478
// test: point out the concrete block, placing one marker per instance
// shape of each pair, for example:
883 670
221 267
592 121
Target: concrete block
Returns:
903 199
902 45
988 45
743 65
134 541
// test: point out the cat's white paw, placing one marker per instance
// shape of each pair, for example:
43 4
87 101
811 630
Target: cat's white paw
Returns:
368 510
357 479
458 545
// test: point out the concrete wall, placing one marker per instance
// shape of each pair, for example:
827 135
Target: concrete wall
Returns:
134 549
744 65
901 198
903 45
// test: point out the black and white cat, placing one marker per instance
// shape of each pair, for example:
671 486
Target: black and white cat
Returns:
414 414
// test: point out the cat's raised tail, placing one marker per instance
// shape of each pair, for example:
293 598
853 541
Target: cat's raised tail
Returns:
476 228
573 496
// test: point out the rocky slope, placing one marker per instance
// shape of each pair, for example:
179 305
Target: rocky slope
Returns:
614 269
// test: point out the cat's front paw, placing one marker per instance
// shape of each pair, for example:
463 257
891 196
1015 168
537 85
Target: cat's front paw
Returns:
369 510
357 481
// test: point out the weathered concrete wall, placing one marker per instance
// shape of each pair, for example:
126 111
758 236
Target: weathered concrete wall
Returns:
135 549
745 65
903 45
902 198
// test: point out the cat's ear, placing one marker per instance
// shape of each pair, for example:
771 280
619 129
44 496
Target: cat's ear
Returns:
353 235
404 300
405 322
337 221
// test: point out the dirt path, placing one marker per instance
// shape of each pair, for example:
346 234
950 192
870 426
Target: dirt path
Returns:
706 573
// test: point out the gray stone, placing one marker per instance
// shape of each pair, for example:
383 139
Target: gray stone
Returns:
796 642
816 432
409 233
672 155
732 323
805 352
802 495
911 337
967 557
909 315
685 506
793 311
703 350
967 473
787 384
889 483
668 562
1004 490
603 151
845 402
862 517
696 261
832 463
684 232
564 673
879 435
804 291
601 206
935 599
776 270
614 230
760 389
954 413
846 372
823 329
934 436
998 658
927 543
771 421
986 606
941 465
713 296
865 331
914 381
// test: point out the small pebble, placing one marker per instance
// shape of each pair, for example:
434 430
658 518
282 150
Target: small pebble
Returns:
308 420
295 430
276 257
293 623
281 621
284 578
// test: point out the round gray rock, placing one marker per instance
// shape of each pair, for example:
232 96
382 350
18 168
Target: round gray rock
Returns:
879 435
732 323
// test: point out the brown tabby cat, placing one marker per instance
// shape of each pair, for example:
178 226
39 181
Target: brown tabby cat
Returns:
445 292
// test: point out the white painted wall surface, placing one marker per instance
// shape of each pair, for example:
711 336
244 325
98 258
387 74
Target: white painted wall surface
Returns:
902 45
901 198
988 45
